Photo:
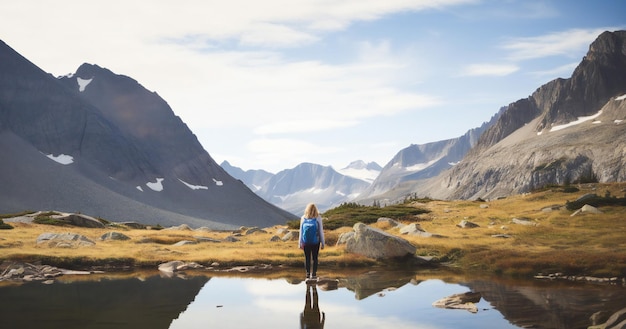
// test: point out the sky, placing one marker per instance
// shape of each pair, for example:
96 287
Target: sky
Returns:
275 83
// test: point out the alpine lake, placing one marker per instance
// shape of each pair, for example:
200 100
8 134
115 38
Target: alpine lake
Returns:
369 298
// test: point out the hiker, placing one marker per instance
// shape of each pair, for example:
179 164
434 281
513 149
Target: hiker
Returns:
311 238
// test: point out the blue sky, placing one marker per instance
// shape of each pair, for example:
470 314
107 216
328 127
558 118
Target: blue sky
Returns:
271 84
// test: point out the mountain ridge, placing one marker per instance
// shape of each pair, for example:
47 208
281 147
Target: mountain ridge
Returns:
153 165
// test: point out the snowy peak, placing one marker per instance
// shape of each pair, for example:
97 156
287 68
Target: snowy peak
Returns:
360 170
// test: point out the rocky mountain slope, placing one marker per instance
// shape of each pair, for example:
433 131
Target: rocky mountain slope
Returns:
568 131
423 161
100 143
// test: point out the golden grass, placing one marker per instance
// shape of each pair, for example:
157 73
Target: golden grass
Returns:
592 244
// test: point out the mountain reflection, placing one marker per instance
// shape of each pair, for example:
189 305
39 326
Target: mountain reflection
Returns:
121 303
553 305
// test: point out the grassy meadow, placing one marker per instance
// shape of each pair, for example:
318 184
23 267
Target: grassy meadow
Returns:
587 243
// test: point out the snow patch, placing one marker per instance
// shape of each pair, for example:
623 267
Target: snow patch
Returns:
618 121
158 186
573 123
621 98
62 158
454 163
82 83
421 166
362 174
596 122
194 187
218 182
139 188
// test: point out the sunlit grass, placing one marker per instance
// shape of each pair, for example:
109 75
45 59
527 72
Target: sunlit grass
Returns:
592 244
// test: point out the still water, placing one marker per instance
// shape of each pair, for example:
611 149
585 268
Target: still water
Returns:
383 299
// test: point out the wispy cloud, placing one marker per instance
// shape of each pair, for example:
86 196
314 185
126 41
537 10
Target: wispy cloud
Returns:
561 71
489 70
562 43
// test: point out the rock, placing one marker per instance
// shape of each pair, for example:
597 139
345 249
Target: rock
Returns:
116 236
484 206
290 236
503 236
134 225
182 227
344 237
374 243
79 220
30 272
275 238
523 221
412 228
177 265
590 209
254 230
416 229
184 243
205 239
467 224
465 301
230 238
64 240
391 222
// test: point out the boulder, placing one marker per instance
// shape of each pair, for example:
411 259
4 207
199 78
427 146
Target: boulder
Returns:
374 243
416 229
590 209
464 301
467 224
412 228
116 236
391 222
523 221
177 265
80 220
344 237
64 240
290 236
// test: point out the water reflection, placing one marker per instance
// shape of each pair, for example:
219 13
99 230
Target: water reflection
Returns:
311 317
150 302
398 299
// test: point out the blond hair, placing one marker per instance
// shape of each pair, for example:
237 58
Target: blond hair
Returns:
311 211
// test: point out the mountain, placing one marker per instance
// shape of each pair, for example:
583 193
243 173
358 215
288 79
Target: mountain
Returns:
100 143
568 131
361 170
292 189
423 161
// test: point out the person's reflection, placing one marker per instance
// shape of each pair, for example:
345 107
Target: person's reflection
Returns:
311 317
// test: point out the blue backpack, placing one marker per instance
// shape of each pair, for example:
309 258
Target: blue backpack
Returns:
309 231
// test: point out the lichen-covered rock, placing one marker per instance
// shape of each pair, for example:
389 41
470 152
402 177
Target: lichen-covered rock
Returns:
64 240
374 243
115 236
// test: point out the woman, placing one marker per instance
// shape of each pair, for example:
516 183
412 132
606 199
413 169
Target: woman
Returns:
311 238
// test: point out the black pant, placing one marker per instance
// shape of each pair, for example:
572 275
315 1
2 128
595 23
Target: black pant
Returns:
311 251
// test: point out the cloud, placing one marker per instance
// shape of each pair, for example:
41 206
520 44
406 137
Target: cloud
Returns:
304 125
489 70
560 71
562 43
281 151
